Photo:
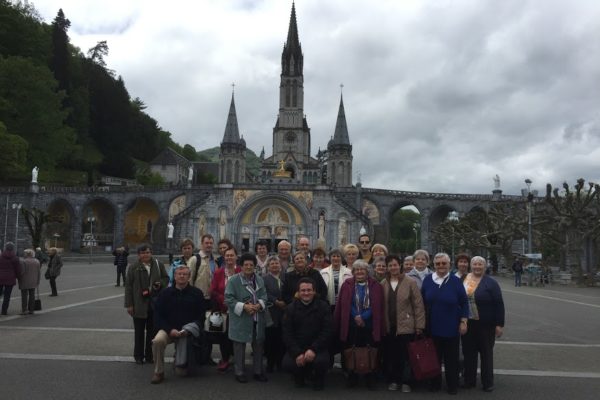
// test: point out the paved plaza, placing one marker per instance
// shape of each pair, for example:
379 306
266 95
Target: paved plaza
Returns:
80 346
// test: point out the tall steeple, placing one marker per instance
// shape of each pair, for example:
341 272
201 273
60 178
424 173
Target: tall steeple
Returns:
232 158
232 132
341 129
292 59
339 149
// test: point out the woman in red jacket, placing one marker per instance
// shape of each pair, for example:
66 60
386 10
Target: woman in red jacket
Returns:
358 315
217 295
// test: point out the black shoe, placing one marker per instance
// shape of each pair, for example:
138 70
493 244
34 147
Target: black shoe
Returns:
488 389
139 361
211 362
241 378
260 377
149 361
299 381
467 386
452 391
117 285
53 295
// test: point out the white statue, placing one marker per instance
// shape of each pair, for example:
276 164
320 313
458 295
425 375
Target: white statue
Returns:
322 226
202 224
34 174
343 231
190 173
497 181
222 223
170 230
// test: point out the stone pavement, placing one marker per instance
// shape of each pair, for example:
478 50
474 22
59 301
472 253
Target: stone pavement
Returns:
80 345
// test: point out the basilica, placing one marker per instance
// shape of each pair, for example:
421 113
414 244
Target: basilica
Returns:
293 194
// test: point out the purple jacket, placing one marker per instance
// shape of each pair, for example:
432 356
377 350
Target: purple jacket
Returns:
9 268
343 308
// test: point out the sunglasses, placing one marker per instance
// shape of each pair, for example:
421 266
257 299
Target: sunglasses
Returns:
364 242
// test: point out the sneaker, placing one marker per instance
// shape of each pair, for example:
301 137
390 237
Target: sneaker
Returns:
406 388
223 366
393 387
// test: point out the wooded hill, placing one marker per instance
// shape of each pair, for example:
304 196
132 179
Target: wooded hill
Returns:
63 110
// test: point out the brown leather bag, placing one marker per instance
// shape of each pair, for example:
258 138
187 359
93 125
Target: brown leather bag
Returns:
361 360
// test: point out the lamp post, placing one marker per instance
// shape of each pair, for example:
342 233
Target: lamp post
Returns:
453 218
416 227
529 206
17 206
91 220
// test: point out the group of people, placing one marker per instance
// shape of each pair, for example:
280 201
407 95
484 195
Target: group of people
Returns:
299 310
26 271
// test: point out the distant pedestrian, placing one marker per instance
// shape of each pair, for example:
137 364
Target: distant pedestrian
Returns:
53 271
29 280
120 262
517 268
41 256
9 271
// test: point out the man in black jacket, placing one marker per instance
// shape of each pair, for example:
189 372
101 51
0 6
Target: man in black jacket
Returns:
307 331
179 313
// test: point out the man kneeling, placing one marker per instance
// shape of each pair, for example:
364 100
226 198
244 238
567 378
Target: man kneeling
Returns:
307 330
179 318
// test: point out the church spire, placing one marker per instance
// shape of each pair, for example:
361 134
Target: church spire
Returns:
341 129
292 59
232 133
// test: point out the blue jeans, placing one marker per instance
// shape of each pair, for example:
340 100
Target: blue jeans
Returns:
518 278
7 290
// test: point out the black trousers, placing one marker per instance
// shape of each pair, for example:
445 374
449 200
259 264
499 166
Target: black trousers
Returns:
7 291
274 348
53 286
479 341
143 335
319 366
27 300
447 351
395 356
121 273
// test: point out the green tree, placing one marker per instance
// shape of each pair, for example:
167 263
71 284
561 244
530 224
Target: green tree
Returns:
61 53
13 156
30 107
402 234
189 152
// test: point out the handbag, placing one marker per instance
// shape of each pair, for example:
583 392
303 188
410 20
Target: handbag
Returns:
38 302
423 359
360 360
215 321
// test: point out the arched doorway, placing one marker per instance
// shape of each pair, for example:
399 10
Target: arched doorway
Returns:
141 222
405 229
269 217
57 232
98 223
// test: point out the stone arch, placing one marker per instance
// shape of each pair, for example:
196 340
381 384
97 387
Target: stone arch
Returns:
141 222
436 217
102 227
59 231
246 228
404 229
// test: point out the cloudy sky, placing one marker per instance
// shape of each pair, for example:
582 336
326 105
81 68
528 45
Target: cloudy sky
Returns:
440 96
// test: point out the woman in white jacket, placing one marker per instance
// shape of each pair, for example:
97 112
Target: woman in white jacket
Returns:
334 276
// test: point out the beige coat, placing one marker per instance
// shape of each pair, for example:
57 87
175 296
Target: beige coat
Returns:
410 311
